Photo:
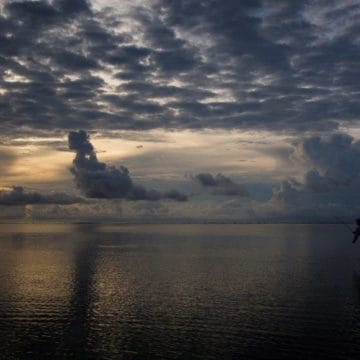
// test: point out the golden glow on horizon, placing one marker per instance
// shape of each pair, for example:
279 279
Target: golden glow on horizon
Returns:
151 154
34 164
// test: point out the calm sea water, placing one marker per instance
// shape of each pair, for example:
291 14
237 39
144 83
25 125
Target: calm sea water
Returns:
179 292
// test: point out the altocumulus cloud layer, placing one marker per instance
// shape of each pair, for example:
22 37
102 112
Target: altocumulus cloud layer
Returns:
277 65
99 180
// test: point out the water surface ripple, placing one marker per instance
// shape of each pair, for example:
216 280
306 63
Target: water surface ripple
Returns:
178 292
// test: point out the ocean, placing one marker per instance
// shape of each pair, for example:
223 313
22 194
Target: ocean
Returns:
87 291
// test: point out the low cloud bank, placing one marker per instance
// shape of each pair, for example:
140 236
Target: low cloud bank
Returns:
330 186
220 185
334 164
96 179
18 196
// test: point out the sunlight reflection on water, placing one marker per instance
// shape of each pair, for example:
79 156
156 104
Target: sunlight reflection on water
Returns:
178 291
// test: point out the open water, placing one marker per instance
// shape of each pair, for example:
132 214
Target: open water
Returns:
178 292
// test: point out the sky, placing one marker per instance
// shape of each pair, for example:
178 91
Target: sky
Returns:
179 110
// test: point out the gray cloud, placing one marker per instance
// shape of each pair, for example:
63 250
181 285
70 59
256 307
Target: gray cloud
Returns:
18 196
220 185
331 184
282 66
335 160
99 180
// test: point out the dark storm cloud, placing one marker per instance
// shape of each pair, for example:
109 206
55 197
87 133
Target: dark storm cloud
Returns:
18 196
99 180
277 65
220 185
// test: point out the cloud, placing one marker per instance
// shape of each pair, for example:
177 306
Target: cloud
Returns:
99 180
331 183
333 163
335 160
220 185
18 196
281 66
